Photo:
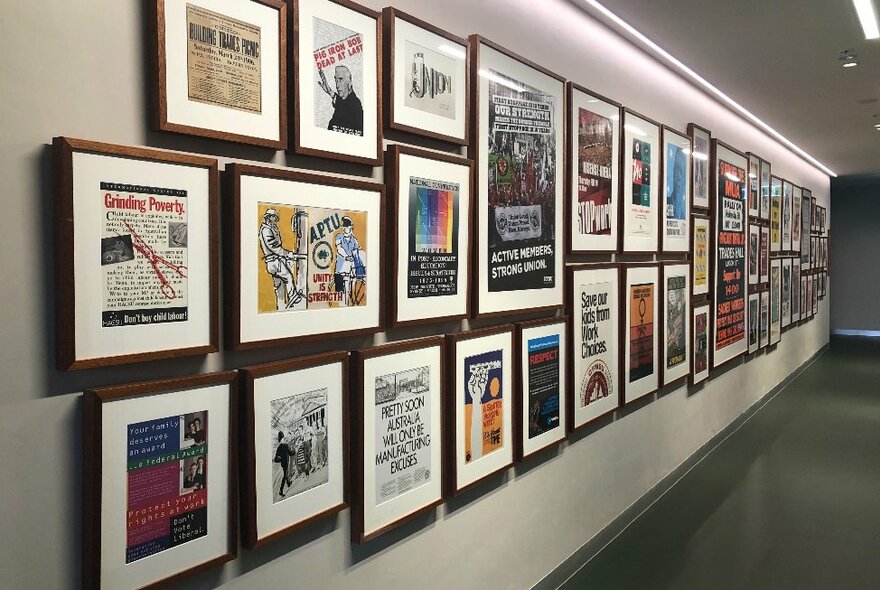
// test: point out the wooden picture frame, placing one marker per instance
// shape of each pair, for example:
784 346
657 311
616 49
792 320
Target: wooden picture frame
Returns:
639 333
775 215
700 176
787 193
775 301
397 459
326 124
765 169
675 321
764 256
764 327
640 172
701 240
440 59
155 216
806 200
754 323
795 290
675 169
221 76
753 247
700 341
796 198
785 293
518 257
805 308
594 166
320 295
430 201
305 400
753 189
146 446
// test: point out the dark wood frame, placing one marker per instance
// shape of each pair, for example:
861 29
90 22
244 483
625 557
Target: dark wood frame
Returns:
232 254
751 157
623 330
65 305
764 215
389 13
396 216
625 197
520 386
806 201
570 142
782 248
450 442
779 250
765 291
250 538
692 374
751 353
295 57
570 306
770 341
474 42
357 429
814 224
795 322
693 257
761 228
93 400
796 251
661 217
159 95
691 129
751 284
661 307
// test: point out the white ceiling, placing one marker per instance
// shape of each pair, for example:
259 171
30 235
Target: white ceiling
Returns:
779 59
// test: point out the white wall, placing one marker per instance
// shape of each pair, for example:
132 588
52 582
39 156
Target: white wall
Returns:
78 69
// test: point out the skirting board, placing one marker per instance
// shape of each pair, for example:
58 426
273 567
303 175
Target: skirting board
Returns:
600 540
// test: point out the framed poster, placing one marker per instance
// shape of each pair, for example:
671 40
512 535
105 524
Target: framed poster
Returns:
814 217
764 212
519 156
676 319
425 78
676 163
479 434
795 289
764 257
787 191
397 460
754 250
815 294
806 199
154 217
804 303
796 198
729 256
541 392
775 300
641 344
775 214
640 203
295 445
700 231
754 199
594 386
159 477
430 199
754 322
764 337
814 260
298 254
220 69
700 344
700 173
822 225
337 81
594 170
786 292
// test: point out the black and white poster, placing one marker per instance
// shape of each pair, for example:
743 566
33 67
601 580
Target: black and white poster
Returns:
299 439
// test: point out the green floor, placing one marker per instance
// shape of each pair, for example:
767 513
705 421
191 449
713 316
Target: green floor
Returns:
790 500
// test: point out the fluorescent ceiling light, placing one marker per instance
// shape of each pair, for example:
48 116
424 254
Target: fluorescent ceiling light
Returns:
850 64
453 51
708 86
868 18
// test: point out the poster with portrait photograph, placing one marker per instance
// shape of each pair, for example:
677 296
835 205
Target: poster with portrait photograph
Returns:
594 166
775 214
796 198
640 331
764 212
754 322
675 219
700 343
700 231
775 300
594 297
729 262
700 170
676 316
338 91
787 191
754 251
641 181
519 163
764 319
806 201
764 256
754 185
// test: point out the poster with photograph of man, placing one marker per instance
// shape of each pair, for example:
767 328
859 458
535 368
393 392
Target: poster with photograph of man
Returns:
299 440
339 71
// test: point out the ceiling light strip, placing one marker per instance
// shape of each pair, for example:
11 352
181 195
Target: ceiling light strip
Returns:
708 86
867 18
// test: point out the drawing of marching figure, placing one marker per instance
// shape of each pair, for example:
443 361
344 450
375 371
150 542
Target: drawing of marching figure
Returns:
287 268
483 422
350 273
300 444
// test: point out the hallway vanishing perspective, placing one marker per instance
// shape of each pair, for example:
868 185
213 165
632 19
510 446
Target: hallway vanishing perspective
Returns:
790 500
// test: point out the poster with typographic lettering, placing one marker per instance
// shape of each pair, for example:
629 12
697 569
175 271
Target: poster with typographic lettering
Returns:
166 489
595 135
701 254
483 405
403 432
596 343
310 258
433 238
298 435
338 57
675 326
641 331
143 254
522 179
701 344
543 381
764 255
431 76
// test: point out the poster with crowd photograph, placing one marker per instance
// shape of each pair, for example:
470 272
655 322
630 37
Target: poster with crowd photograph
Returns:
295 444
160 474
754 185
593 297
136 246
641 194
397 468
430 199
594 169
676 163
754 322
795 290
305 254
764 256
764 206
541 386
729 262
787 192
775 300
676 316
480 441
700 343
701 229
775 214
425 71
640 331
700 170
220 69
806 200
338 92
764 319
519 155
754 250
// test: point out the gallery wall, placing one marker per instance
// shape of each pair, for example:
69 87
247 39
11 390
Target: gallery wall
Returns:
79 69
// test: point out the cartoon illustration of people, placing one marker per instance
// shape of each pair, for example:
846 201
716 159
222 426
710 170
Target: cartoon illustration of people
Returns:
348 112
281 263
350 271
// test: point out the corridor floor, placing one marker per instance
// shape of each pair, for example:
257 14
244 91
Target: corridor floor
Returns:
790 500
